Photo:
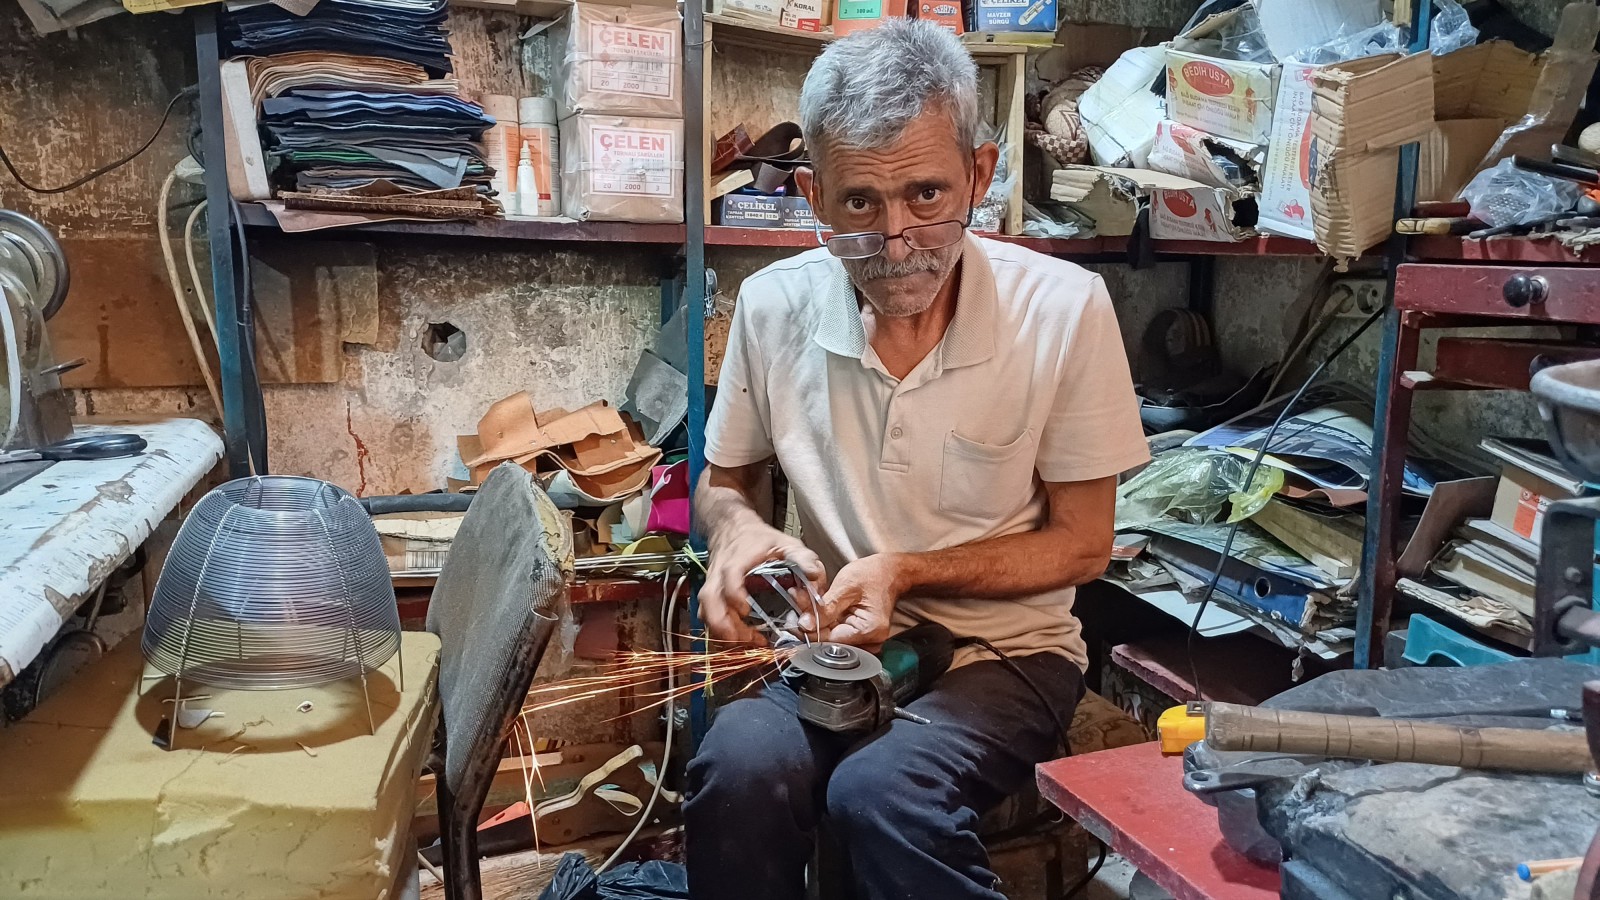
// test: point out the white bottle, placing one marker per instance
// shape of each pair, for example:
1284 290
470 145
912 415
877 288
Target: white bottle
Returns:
527 184
543 137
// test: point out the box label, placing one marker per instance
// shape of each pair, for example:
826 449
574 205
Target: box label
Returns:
631 162
1201 214
1531 508
629 59
852 10
1291 167
1222 97
1015 15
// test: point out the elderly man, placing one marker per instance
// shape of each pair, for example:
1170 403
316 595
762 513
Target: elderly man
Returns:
952 413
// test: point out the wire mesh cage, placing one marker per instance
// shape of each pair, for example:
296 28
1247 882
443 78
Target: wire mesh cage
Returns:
273 582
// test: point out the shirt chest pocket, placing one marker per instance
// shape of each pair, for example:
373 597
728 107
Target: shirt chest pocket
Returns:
986 481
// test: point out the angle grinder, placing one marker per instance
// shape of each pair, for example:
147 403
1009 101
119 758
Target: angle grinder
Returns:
845 689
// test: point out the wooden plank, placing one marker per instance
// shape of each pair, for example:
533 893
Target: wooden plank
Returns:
1011 113
1133 799
1572 292
1542 250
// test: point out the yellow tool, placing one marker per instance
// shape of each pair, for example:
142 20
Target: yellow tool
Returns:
1181 726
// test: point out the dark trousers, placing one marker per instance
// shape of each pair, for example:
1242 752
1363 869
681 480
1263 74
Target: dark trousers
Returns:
904 802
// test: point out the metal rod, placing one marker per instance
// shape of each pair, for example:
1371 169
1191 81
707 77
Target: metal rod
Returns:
235 430
1391 414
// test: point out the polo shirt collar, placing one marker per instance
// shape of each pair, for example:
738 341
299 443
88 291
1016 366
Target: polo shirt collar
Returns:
968 339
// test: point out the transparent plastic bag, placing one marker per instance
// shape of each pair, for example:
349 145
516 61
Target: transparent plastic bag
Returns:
989 215
1452 28
1506 195
1193 484
1385 37
1241 39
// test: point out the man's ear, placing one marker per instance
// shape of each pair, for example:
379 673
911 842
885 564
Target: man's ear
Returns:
984 160
806 180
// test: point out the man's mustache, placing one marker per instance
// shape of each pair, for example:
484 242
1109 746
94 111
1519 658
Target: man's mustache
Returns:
880 266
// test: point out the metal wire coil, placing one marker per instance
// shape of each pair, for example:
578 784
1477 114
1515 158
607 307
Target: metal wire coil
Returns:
273 582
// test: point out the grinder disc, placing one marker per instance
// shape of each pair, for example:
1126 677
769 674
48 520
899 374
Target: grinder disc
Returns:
836 662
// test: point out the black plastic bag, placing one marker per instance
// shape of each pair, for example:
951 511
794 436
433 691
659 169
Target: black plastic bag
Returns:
652 880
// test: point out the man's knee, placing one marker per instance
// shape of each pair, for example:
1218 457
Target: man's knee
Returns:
750 756
865 796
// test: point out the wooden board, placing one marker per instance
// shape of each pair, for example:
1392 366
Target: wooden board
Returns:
1133 798
120 315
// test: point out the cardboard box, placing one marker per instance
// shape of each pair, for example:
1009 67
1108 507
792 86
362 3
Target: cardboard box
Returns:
765 12
850 16
1291 165
1201 213
1208 159
1180 208
1362 111
1477 92
806 15
1120 112
946 13
1223 97
620 169
1521 500
764 211
1012 15
619 60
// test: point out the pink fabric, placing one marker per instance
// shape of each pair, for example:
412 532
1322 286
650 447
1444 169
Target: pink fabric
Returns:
669 499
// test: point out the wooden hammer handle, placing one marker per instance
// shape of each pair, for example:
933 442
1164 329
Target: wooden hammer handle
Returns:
1233 727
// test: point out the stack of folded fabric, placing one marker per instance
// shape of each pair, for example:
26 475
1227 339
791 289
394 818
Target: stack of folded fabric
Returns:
350 115
408 30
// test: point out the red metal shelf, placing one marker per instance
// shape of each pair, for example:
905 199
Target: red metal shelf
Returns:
256 216
1543 250
726 236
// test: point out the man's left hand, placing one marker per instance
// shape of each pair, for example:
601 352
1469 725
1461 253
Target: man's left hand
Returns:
860 601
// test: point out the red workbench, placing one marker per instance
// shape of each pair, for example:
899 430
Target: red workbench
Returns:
1133 799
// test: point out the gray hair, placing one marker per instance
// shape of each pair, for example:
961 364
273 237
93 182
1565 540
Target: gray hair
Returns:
865 89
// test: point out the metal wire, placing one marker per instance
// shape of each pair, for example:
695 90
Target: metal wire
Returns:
273 582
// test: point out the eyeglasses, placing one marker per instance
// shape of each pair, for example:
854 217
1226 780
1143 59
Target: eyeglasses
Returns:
867 244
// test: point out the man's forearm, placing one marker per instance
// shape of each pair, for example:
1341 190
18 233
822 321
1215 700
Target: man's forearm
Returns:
1017 565
723 503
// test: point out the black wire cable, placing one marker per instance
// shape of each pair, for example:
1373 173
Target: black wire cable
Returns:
1009 663
255 399
172 104
1081 883
1249 478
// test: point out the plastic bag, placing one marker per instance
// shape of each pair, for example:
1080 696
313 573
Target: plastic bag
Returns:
989 215
1049 219
1506 195
1452 28
1385 37
1241 39
1192 485
653 880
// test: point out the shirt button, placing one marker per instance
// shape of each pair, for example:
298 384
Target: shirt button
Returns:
897 432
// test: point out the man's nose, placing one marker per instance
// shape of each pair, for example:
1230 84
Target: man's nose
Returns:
896 221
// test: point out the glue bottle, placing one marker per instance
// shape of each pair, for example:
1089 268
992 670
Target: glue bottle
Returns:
527 184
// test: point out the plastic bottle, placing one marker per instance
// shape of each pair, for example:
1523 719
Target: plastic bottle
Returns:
541 136
527 185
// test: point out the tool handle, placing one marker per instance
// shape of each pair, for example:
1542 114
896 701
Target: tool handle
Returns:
1435 225
1233 727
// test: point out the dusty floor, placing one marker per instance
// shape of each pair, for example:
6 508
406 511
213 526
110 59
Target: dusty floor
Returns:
1116 882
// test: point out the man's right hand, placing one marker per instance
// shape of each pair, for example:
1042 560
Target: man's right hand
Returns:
724 601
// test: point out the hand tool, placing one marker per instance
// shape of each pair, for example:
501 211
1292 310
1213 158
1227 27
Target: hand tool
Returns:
88 446
846 689
1437 225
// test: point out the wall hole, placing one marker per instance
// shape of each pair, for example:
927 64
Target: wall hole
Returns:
444 342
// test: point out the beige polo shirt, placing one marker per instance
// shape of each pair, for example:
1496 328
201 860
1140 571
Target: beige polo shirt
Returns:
1030 384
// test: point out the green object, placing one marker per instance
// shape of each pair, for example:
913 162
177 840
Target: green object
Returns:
914 658
860 9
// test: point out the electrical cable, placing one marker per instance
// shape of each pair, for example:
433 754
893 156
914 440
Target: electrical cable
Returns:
1249 478
1094 870
207 309
5 160
175 280
669 598
1009 663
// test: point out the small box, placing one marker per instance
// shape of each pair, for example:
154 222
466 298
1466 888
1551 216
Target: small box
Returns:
1206 158
1521 501
1012 15
946 13
806 15
764 211
619 60
1224 97
619 169
1202 213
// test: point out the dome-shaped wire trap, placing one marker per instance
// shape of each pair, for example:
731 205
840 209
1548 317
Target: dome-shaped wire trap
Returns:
273 582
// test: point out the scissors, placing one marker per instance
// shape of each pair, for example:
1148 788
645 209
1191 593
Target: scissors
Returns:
88 446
